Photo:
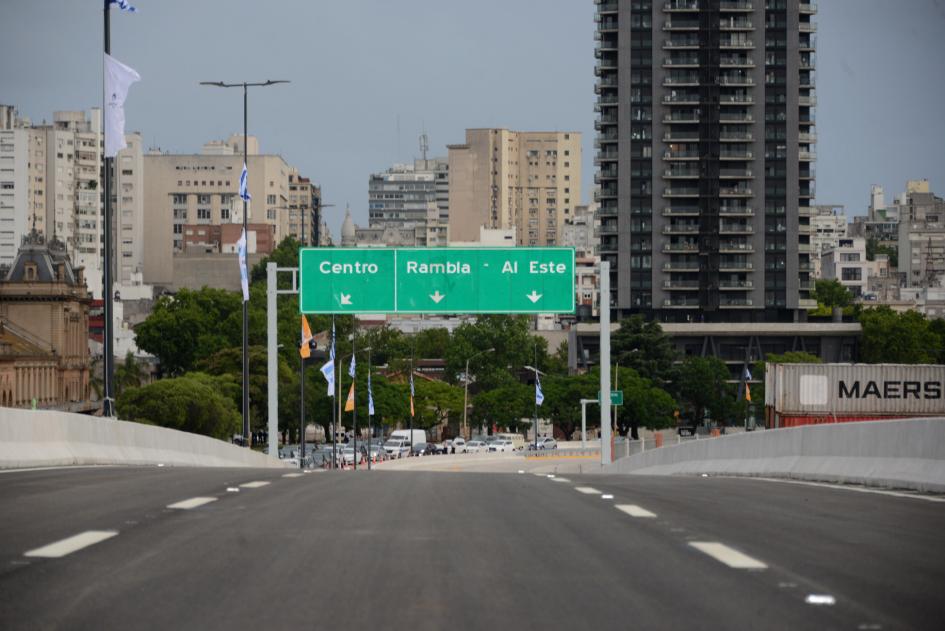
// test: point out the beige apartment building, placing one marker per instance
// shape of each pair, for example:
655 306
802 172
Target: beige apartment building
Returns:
501 179
202 189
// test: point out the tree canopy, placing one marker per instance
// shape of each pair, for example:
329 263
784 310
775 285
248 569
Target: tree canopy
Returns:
899 338
831 293
642 345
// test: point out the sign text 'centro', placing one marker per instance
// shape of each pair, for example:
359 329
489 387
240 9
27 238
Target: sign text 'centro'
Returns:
436 280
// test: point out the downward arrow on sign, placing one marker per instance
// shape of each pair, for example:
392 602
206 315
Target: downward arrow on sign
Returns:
346 300
534 296
437 296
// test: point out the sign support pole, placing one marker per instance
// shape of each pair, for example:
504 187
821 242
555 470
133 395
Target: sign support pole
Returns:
605 455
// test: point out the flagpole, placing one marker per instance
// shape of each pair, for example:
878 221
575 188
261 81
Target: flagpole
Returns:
410 422
354 407
536 397
302 405
108 367
334 452
370 416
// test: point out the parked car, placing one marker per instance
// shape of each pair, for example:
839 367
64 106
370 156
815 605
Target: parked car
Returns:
445 447
460 444
502 445
397 447
547 442
424 449
348 454
476 446
517 440
378 452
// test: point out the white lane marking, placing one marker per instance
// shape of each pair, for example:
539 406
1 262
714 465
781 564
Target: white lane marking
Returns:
820 599
858 489
292 475
729 556
71 544
587 490
232 489
635 511
560 480
607 496
193 502
253 485
551 475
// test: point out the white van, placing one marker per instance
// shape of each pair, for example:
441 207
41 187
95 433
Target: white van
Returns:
419 435
518 441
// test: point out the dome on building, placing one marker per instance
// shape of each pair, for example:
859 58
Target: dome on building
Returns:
347 229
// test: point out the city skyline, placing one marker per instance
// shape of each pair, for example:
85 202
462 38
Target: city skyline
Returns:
339 122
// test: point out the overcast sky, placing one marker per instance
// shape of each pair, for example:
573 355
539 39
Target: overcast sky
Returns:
368 75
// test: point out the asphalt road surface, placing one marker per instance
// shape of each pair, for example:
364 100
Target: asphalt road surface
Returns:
99 548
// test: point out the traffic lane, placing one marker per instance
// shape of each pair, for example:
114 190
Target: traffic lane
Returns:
414 550
881 552
48 505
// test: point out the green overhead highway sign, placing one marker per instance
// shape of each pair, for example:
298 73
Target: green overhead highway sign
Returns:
436 280
616 397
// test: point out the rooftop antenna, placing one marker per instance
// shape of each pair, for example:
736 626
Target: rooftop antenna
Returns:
424 146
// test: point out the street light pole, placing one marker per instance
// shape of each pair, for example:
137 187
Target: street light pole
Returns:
370 414
245 85
584 403
466 391
537 372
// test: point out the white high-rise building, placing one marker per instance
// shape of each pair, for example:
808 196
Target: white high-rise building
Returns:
14 184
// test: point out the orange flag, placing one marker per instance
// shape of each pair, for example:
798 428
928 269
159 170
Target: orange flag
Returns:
304 349
747 392
349 404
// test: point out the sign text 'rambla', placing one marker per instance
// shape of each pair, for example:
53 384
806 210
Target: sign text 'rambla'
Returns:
436 280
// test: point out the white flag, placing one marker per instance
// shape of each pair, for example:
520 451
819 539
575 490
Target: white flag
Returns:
539 395
328 370
118 78
244 277
370 396
244 185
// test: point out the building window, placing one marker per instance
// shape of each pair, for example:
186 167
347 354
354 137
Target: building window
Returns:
203 213
271 213
224 213
270 199
851 273
203 199
178 228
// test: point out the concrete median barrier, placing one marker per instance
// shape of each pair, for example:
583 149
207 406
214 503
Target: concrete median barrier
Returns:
40 438
908 454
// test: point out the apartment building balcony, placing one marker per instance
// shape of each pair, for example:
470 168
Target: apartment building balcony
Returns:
807 101
736 81
736 24
688 247
681 266
608 172
807 27
726 43
606 192
605 156
681 136
680 229
735 265
736 211
681 5
735 155
608 228
736 136
687 61
681 25
689 43
605 138
736 173
735 303
735 228
735 247
736 5
680 211
680 155
806 156
606 6
688 81
736 99
807 8
735 285
681 285
681 118
680 173
606 25
681 303
807 138
736 62
681 191
734 191
735 117
681 99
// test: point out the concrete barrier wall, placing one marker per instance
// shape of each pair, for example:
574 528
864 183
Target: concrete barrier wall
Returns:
40 438
906 454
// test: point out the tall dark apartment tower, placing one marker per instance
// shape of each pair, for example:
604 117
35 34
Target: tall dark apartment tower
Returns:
705 149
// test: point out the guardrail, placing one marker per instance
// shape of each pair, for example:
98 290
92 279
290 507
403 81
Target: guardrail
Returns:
41 438
908 453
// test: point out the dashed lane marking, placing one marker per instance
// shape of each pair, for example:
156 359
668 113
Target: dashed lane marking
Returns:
635 511
254 485
69 545
560 480
729 556
291 475
587 490
193 502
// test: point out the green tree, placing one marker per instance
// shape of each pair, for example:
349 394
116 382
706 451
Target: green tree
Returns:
514 348
190 326
644 404
129 373
873 248
642 345
504 406
192 403
702 385
898 338
830 293
562 404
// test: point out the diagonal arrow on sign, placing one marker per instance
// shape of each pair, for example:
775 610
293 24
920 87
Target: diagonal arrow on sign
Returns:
437 296
534 296
346 299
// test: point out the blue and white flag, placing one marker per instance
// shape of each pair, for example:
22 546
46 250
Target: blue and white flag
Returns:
244 276
370 396
351 368
539 395
747 375
118 79
244 186
329 368
122 4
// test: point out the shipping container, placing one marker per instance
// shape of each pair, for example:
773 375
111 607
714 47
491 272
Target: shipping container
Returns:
850 392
